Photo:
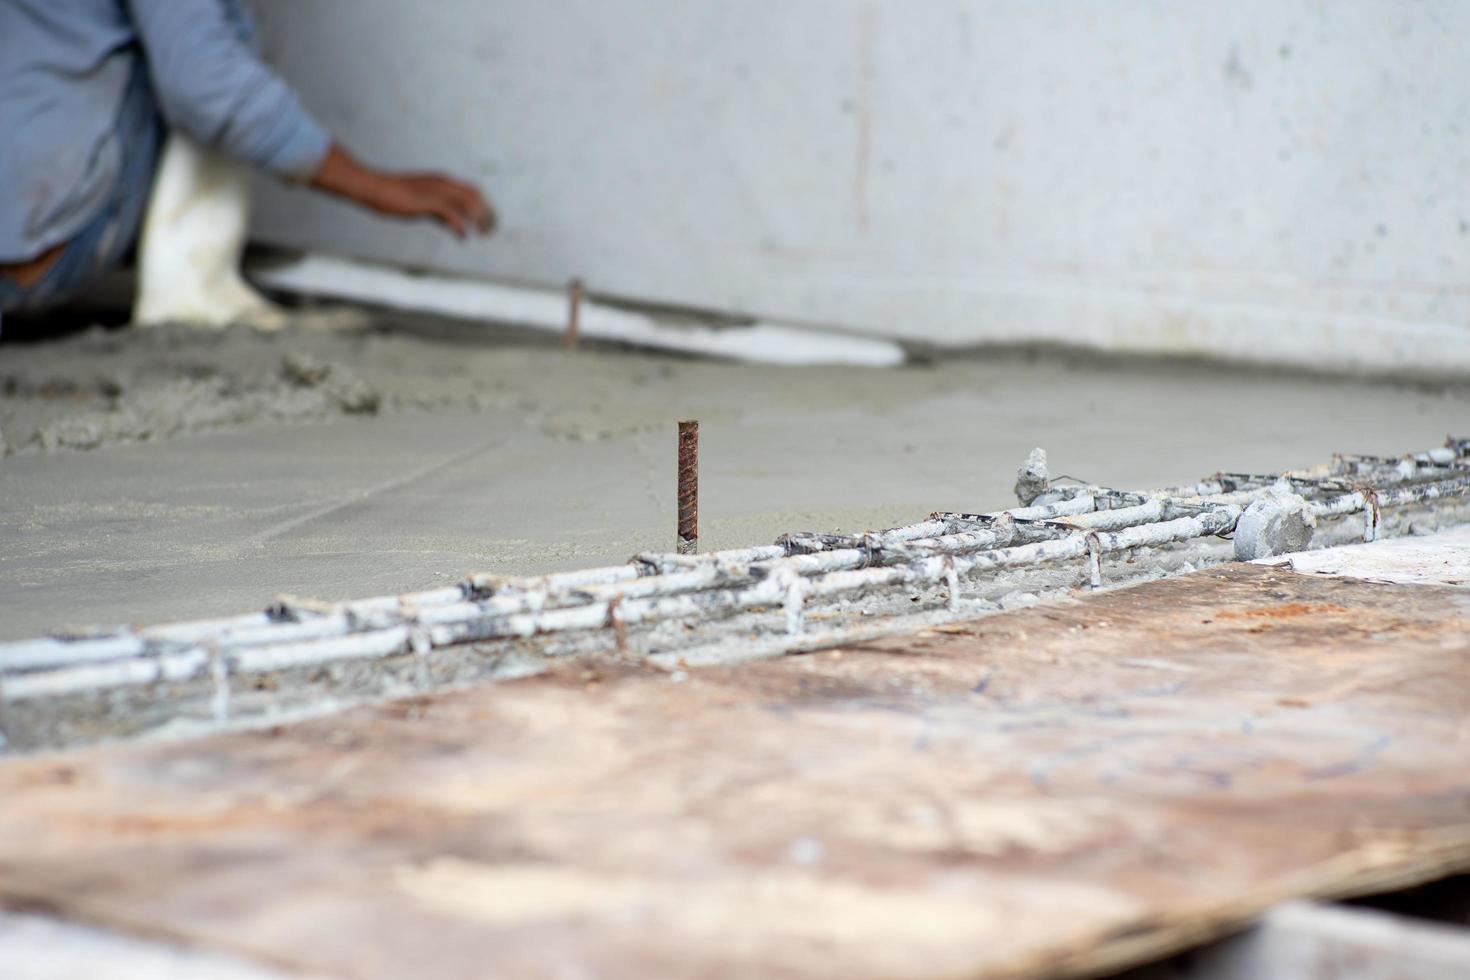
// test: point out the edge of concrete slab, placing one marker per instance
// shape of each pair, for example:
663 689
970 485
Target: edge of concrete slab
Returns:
758 341
1253 335
1442 558
1319 939
37 947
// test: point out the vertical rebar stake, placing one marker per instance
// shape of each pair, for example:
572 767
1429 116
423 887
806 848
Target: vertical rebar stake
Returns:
794 605
617 622
219 671
1094 561
574 314
952 582
688 487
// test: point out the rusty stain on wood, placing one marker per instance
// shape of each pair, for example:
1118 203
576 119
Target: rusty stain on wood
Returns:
1053 792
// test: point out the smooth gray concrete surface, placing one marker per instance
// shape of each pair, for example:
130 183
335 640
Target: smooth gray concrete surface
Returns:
516 456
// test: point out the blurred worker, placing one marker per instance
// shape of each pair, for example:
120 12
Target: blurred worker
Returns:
102 101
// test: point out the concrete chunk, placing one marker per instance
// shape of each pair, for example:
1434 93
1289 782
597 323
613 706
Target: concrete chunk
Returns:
1032 479
1276 524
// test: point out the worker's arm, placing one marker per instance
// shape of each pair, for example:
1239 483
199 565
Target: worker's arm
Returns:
211 85
453 203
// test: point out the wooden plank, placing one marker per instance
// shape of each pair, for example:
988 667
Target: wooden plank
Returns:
1050 792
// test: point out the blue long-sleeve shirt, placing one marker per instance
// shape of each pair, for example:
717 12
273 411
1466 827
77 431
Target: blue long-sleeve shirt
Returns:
64 67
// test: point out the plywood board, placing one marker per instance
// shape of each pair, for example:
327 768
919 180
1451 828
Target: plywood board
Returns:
1049 792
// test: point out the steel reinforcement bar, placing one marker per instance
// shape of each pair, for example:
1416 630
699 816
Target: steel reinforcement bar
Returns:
1075 523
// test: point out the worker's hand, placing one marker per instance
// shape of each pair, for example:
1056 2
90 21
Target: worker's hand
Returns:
453 203
456 205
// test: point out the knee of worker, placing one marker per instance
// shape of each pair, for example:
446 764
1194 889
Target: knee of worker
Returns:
197 216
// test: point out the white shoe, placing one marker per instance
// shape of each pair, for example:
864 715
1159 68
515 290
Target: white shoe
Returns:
193 237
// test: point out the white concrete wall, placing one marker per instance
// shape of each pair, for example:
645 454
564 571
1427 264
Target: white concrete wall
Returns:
1130 173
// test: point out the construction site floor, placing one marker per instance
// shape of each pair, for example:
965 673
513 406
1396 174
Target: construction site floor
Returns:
1058 791
168 473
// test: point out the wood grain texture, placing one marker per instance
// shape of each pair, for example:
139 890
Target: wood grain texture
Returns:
1056 791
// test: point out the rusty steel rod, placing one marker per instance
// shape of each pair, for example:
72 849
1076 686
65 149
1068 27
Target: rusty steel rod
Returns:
688 489
572 336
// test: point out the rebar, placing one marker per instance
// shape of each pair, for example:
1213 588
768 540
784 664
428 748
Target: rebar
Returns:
572 336
947 549
688 488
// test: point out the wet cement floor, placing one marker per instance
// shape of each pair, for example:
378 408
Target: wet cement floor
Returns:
162 474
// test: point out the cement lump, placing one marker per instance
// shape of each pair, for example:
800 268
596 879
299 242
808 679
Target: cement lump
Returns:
342 387
1032 479
1276 524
